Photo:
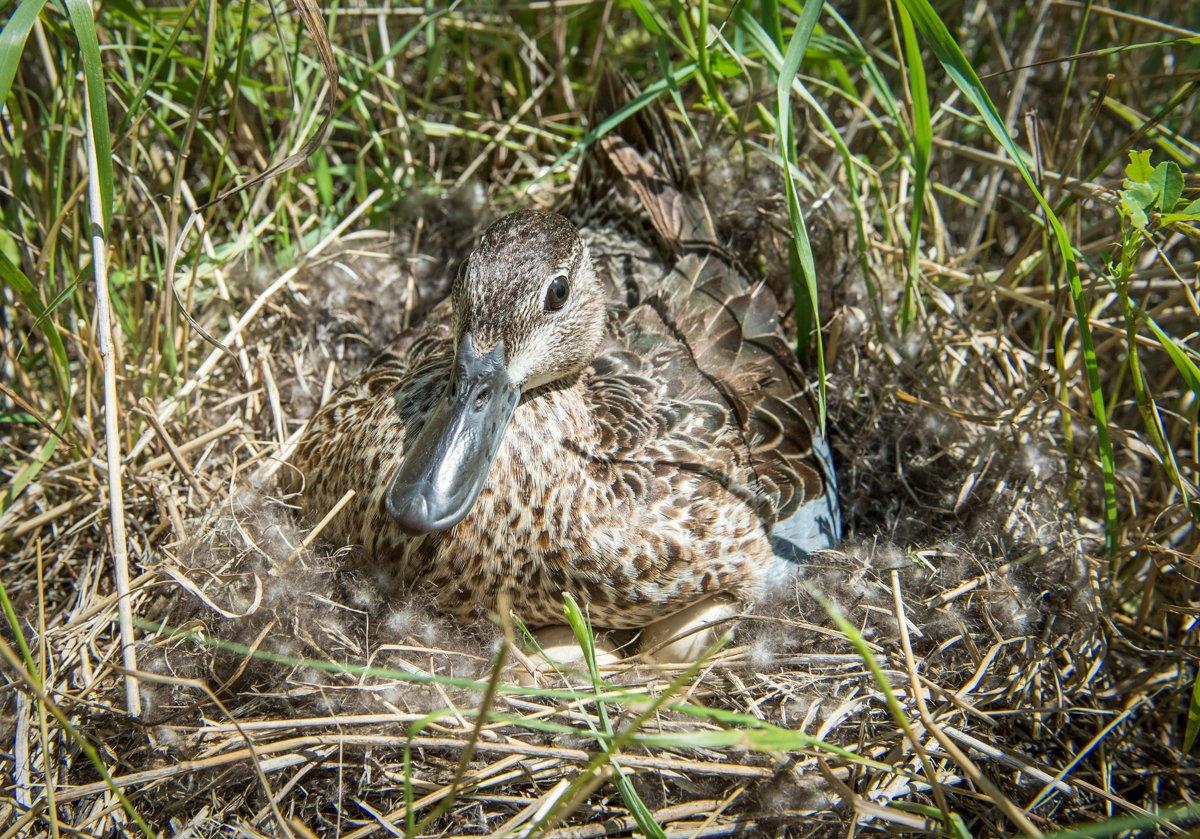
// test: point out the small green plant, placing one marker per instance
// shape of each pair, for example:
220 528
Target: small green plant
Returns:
1154 190
1151 201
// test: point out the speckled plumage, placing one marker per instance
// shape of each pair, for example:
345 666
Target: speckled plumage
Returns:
675 435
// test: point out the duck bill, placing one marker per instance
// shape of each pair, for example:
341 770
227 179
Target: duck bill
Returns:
446 464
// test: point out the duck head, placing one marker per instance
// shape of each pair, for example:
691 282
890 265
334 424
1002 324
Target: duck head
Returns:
529 311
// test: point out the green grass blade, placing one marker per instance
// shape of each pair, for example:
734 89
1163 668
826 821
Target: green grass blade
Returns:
14 278
587 642
31 468
804 271
956 65
168 51
14 625
1186 367
921 146
84 25
1135 824
12 43
33 681
851 164
1193 718
648 95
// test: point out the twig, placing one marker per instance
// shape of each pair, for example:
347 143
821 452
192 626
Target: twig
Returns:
1015 814
364 741
161 460
112 442
315 532
185 469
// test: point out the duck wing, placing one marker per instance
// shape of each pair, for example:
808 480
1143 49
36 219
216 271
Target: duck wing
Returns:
633 175
699 371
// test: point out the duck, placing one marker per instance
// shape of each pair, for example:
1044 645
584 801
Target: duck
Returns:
606 405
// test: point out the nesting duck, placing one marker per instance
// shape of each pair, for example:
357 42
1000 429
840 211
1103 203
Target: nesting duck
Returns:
605 405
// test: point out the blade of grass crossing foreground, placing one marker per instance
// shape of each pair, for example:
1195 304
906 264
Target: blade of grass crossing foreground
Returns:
769 50
14 626
800 253
922 143
967 80
587 642
12 43
33 681
1018 818
32 467
84 25
1175 817
15 278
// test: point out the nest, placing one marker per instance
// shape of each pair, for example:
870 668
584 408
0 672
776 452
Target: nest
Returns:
970 648
283 694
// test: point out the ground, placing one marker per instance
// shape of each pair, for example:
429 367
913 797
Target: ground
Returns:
997 647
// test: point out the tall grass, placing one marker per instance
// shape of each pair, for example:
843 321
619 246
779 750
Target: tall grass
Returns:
206 93
198 111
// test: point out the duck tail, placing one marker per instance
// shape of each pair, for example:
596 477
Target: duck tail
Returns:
637 166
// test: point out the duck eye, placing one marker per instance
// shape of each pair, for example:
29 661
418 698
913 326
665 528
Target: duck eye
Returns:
556 293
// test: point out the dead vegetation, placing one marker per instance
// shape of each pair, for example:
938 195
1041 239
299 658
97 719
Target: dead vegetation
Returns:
1001 673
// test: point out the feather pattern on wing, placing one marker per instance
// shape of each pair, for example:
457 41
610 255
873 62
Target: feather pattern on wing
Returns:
682 459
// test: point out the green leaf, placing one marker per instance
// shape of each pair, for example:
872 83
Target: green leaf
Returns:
84 25
1167 181
12 43
1186 367
967 80
1136 198
1139 194
1139 169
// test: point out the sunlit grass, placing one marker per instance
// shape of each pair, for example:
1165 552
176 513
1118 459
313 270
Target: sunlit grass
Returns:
187 105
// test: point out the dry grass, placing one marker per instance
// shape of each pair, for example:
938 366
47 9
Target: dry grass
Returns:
1001 673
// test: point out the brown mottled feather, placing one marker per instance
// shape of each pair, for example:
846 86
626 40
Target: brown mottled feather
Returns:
646 481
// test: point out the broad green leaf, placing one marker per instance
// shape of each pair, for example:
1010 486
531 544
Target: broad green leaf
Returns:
1139 169
12 43
1139 194
1167 181
1136 198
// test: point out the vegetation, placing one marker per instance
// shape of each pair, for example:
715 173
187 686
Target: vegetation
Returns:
990 217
